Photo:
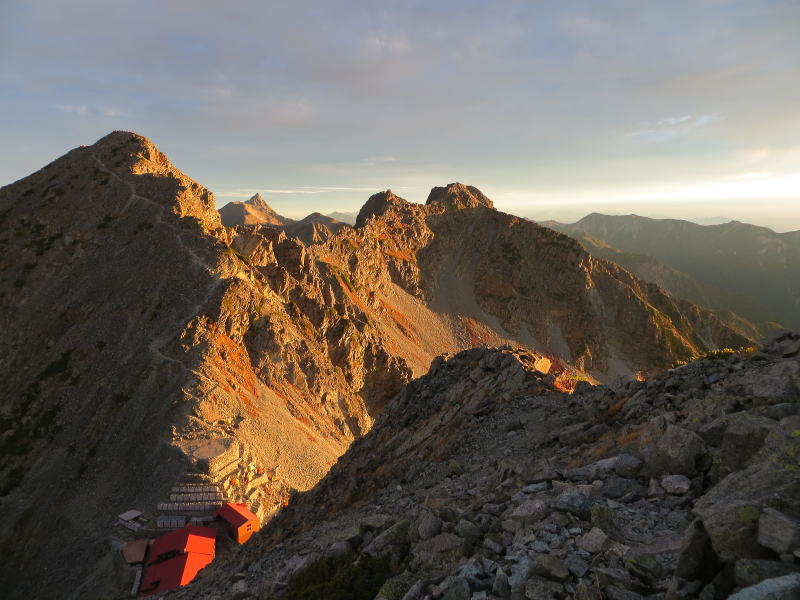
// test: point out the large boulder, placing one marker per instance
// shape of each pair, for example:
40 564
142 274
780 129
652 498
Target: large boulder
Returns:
779 588
778 532
731 511
678 451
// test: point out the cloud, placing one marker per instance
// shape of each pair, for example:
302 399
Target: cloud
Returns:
301 190
672 127
377 160
85 110
534 96
78 109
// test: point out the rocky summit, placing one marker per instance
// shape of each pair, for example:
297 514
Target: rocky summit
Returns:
254 211
147 346
482 481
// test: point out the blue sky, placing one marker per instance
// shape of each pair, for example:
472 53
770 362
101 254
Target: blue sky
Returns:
553 109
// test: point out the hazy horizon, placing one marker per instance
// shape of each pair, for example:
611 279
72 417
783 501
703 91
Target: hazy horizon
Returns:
684 109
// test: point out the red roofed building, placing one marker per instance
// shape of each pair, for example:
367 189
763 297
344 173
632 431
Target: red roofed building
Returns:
176 557
241 522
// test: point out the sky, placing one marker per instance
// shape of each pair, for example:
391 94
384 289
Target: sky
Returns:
553 109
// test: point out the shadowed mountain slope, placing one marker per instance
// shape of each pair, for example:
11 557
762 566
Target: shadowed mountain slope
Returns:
678 283
758 268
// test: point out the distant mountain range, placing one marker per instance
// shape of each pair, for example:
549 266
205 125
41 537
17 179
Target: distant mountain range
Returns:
730 267
344 217
313 228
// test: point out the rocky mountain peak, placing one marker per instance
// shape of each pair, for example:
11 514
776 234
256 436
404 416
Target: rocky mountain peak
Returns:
132 149
254 211
378 204
257 200
458 196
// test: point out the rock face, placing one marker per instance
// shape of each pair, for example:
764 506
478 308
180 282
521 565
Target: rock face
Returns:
143 341
540 288
468 489
254 211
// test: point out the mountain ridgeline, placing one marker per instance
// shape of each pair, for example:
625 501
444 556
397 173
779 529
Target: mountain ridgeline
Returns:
144 341
730 267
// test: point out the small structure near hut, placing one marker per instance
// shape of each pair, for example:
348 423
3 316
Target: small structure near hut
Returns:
241 523
131 519
176 557
135 551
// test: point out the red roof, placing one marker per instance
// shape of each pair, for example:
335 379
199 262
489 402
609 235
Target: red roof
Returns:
235 514
173 573
191 538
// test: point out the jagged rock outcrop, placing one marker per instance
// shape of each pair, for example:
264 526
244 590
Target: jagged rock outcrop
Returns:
254 211
457 196
480 480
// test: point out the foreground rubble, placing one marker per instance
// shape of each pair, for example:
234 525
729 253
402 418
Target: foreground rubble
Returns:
481 481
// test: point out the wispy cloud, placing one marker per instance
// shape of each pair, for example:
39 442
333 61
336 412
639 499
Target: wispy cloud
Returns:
301 190
376 160
86 110
672 127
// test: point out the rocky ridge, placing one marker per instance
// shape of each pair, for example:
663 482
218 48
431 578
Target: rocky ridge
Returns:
481 481
541 288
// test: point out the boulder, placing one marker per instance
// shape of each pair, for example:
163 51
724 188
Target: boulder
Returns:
678 451
529 511
750 571
778 532
645 567
731 511
469 531
550 567
500 587
394 541
455 588
779 588
428 525
593 541
740 436
538 588
676 484
573 502
696 559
